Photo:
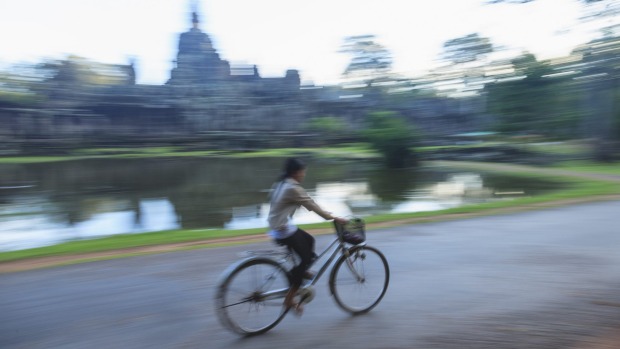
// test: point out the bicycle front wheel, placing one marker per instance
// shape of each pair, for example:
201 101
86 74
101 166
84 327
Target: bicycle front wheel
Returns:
250 297
358 282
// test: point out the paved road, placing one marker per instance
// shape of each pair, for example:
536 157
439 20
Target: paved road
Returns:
546 279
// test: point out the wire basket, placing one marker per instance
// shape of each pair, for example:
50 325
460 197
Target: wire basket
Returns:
353 232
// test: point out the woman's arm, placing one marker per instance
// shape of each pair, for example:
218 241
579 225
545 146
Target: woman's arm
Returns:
301 197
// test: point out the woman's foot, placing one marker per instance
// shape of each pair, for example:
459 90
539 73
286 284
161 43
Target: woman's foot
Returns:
290 303
289 299
298 309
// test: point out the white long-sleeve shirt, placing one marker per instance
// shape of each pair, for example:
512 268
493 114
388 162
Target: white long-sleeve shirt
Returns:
286 197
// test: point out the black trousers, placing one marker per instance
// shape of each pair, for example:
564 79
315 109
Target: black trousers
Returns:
302 244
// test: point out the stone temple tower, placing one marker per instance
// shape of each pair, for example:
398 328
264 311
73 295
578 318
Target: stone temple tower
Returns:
197 61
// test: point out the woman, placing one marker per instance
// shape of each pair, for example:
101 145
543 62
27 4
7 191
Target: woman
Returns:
286 196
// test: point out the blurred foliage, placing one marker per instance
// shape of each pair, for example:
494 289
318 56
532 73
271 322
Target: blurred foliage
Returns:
8 98
575 97
370 60
467 48
599 85
29 84
466 60
532 103
17 87
78 71
329 126
392 136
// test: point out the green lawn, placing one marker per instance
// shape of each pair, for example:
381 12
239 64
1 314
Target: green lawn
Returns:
591 167
354 150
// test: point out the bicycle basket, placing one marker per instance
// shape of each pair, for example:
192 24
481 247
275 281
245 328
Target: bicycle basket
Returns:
353 232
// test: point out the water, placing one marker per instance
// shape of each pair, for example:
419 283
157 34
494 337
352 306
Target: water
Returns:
48 203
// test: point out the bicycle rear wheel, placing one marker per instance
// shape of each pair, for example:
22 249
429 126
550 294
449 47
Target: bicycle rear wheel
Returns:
359 281
250 296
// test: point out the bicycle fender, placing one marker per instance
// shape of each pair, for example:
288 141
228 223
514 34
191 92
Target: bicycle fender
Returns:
238 264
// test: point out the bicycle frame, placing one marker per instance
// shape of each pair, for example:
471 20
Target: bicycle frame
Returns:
339 250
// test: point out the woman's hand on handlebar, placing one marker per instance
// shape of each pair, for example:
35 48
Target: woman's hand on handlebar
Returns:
341 220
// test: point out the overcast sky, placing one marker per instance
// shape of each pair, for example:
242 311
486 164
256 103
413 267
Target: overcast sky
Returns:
276 35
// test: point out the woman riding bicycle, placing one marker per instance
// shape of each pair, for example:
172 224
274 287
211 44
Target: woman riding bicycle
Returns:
286 196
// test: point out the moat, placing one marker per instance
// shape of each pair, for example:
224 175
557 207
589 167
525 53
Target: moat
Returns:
48 203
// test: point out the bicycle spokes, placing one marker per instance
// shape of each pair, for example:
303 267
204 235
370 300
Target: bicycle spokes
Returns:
360 285
356 266
251 300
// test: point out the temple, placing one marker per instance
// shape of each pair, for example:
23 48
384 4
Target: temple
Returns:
198 63
206 101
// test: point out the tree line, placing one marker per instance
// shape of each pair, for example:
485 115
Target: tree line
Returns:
566 98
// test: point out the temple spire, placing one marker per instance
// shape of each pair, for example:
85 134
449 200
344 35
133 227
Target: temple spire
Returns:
194 9
195 20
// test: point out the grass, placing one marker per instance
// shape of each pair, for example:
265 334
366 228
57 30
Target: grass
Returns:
124 241
36 159
353 150
558 148
591 167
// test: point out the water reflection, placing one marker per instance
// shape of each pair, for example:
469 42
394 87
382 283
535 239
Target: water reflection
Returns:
345 199
40 229
457 190
336 197
42 204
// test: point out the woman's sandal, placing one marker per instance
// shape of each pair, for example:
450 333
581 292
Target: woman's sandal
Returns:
298 308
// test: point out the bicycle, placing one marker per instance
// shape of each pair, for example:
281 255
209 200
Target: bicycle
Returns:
250 293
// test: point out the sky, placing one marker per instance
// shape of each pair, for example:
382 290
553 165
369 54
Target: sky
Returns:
277 35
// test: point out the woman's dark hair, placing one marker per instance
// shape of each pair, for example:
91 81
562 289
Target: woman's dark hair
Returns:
291 166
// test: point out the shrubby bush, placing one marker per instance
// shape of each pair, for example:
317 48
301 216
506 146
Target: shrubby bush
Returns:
393 137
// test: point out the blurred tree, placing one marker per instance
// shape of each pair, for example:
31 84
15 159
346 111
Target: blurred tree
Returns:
533 101
63 79
370 61
393 137
464 74
467 48
72 71
329 127
17 86
75 78
599 82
